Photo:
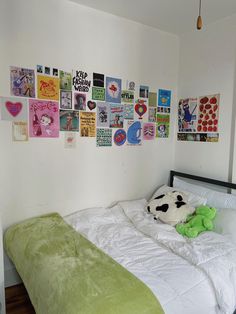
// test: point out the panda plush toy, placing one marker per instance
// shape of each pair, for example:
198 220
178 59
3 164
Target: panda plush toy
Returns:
171 208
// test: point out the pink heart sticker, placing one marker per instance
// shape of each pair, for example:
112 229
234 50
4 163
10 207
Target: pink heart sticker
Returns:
14 108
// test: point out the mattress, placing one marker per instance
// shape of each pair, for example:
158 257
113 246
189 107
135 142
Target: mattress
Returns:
181 286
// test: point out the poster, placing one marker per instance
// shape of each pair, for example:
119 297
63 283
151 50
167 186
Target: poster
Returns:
162 126
208 113
134 133
79 101
128 111
47 70
91 105
187 115
198 137
81 81
140 108
69 120
152 114
65 99
113 90
127 96
39 69
87 124
152 100
149 131
130 85
13 109
19 131
43 118
116 116
48 87
104 137
22 82
143 91
98 79
55 72
70 140
65 80
98 93
164 98
120 137
103 114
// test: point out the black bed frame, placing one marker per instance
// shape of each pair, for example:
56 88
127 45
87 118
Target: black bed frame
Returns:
227 185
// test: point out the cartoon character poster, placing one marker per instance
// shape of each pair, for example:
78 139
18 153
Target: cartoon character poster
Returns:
103 114
113 90
116 116
69 120
19 131
43 118
48 87
128 111
134 133
164 98
149 131
22 82
162 125
65 99
87 124
208 114
187 115
104 137
79 101
65 80
13 109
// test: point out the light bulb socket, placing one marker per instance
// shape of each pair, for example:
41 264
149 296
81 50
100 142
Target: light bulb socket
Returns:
199 22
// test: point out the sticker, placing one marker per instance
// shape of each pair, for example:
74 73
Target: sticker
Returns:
19 131
98 80
163 124
149 131
65 80
152 100
187 115
113 90
98 93
127 96
134 133
104 137
13 109
164 98
128 111
120 137
87 124
143 91
69 120
43 118
70 140
103 114
208 114
116 116
22 82
81 82
48 87
65 99
91 105
140 107
79 101
152 114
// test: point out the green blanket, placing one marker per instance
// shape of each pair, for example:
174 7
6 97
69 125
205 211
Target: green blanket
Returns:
65 273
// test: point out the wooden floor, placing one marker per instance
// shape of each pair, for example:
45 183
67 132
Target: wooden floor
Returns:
17 301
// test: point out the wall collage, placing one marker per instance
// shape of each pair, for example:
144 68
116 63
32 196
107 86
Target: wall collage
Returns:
117 112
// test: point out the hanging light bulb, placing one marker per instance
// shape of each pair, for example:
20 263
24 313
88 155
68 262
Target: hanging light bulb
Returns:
199 19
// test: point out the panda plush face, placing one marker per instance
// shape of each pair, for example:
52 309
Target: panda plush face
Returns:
170 208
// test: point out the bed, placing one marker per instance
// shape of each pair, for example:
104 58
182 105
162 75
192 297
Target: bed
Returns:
151 261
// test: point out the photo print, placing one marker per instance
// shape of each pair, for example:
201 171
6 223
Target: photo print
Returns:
69 120
79 101
65 99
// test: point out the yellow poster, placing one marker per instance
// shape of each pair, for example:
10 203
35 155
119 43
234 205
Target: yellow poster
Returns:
48 87
87 124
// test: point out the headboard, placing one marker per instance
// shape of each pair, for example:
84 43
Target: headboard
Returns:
228 185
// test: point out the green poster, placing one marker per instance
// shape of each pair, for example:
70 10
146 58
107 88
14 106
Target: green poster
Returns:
98 93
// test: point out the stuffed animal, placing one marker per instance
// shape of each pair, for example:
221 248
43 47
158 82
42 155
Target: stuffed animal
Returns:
170 208
201 221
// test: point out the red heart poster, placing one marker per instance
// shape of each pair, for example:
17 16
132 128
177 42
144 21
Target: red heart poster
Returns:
13 109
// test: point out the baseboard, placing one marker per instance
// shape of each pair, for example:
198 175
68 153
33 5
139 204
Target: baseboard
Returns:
11 277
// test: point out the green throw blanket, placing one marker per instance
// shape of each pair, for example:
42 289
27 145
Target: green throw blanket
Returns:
65 273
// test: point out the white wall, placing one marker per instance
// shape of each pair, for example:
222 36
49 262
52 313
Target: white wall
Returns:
207 66
42 176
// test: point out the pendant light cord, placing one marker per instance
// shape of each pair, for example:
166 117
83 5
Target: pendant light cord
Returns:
200 7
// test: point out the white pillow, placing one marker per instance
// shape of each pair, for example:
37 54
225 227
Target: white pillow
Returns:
194 200
225 223
214 198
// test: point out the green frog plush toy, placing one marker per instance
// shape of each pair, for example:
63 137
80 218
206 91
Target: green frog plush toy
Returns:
201 220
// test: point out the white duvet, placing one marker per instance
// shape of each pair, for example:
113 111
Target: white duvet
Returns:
187 276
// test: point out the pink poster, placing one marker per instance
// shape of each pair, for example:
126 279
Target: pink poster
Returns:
43 118
149 131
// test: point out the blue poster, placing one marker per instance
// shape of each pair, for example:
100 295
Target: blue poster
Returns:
134 133
113 90
164 98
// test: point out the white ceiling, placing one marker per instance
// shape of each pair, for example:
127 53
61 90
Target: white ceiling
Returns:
174 16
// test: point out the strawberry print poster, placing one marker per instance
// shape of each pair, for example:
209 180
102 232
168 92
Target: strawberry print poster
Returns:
48 87
13 109
113 90
187 115
22 82
208 116
43 118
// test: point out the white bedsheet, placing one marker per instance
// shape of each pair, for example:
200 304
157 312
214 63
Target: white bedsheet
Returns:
164 260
